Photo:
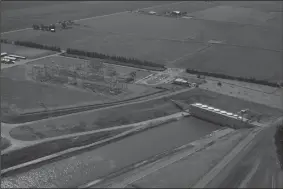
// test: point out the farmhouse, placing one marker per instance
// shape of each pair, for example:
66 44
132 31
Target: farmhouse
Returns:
152 12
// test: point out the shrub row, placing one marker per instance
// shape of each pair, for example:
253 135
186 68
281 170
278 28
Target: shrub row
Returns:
113 57
223 76
36 45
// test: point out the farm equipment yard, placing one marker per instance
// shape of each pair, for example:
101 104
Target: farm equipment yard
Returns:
128 94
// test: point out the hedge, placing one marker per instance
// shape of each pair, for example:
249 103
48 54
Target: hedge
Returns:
113 57
32 45
36 45
224 76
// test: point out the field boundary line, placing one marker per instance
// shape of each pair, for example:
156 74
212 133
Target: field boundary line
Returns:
245 182
100 16
160 161
191 53
247 143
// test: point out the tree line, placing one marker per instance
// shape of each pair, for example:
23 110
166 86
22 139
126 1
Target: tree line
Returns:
36 45
224 76
114 58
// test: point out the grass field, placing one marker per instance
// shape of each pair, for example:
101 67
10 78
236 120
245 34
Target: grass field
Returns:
27 95
89 39
29 53
237 61
133 113
49 12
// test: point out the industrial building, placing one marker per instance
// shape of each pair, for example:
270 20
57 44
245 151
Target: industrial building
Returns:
181 81
219 117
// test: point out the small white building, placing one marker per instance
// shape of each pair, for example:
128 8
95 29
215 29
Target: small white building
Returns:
4 54
152 12
176 12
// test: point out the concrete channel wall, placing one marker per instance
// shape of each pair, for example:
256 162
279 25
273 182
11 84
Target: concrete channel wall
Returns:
219 118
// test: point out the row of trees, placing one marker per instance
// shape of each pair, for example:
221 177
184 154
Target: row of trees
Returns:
114 58
223 76
36 45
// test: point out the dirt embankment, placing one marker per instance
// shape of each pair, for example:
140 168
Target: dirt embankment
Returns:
5 143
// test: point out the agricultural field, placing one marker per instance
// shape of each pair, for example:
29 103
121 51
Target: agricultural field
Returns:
23 92
225 38
237 61
23 96
100 119
39 12
245 12
29 53
113 43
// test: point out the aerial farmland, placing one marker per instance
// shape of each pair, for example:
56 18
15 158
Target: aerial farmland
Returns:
109 86
177 42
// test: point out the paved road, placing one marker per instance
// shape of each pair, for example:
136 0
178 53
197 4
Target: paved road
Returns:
83 168
259 168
